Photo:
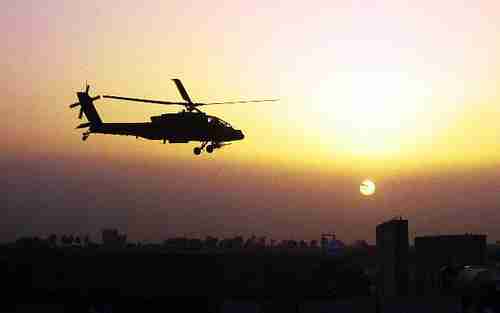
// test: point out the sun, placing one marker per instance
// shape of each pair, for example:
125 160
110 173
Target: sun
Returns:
367 187
372 113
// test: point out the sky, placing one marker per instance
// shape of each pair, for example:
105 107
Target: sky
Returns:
401 92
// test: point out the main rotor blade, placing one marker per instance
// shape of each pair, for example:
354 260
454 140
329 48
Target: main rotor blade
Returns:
182 90
146 100
242 101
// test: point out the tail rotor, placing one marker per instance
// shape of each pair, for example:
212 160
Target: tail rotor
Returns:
87 108
83 97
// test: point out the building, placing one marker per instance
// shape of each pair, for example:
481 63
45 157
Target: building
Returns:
111 238
392 255
331 246
435 254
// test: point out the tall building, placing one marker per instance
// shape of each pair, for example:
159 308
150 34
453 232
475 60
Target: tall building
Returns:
436 253
392 255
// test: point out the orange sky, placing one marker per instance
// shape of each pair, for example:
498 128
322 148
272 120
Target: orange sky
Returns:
403 93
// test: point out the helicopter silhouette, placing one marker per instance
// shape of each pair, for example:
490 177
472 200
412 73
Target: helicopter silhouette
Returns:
190 124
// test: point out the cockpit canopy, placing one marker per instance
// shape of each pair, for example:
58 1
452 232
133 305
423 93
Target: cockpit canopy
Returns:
213 119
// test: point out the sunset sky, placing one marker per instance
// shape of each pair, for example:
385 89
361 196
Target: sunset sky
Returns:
401 92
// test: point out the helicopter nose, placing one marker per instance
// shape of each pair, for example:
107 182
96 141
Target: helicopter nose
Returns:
239 135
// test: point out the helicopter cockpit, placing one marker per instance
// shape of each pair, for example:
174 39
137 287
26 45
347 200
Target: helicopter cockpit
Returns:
216 120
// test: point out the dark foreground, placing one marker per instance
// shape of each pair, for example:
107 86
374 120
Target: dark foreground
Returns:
203 281
154 280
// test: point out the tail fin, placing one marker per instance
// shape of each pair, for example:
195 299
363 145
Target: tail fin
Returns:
87 107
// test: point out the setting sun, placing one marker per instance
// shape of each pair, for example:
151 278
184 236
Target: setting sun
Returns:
372 113
367 188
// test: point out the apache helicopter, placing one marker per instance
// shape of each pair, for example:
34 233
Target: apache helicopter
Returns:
190 124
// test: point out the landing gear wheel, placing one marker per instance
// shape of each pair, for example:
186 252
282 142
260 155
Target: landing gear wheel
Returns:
210 148
84 137
197 150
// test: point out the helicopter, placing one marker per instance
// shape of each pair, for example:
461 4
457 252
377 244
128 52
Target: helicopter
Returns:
190 124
